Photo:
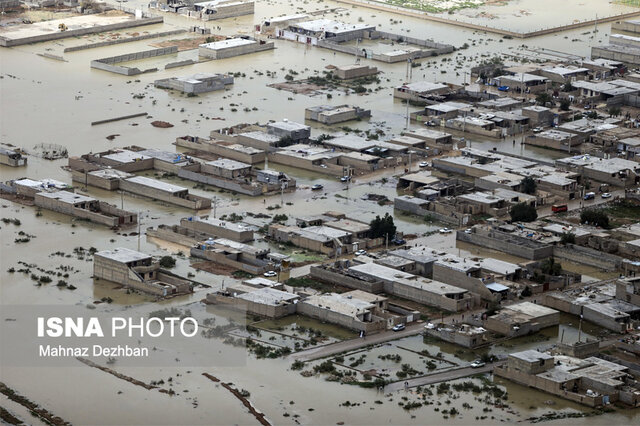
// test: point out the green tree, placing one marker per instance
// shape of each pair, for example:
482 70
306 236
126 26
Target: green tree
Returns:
543 98
551 267
526 292
565 104
614 111
595 217
382 227
529 185
568 238
523 212
167 262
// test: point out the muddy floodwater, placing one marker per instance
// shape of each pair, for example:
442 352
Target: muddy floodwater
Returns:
44 100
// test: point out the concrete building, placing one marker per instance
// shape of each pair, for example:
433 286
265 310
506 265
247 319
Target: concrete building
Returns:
288 129
197 83
231 150
220 9
420 91
218 228
523 82
13 158
418 289
83 207
565 74
554 139
348 72
356 311
328 114
322 239
230 253
164 191
312 32
266 302
538 115
614 171
592 381
521 319
434 139
30 187
233 47
461 334
139 271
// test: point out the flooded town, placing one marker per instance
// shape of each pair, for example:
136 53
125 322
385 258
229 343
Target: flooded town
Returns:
266 212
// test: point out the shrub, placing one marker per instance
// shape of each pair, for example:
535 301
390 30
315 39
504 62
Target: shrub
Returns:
595 217
523 212
167 262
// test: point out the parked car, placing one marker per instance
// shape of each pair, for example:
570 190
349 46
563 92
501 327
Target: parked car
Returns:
423 164
445 231
360 253
606 195
430 326
589 195
345 178
317 187
398 327
538 129
503 88
430 123
270 274
468 231
477 364
324 166
398 241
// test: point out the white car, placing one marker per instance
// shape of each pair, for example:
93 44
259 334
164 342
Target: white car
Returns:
477 364
606 195
423 164
345 178
445 231
398 327
468 231
270 274
430 326
360 252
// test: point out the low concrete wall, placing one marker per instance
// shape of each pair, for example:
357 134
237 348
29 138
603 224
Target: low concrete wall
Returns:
588 256
81 31
339 319
109 64
122 40
497 240
219 182
331 277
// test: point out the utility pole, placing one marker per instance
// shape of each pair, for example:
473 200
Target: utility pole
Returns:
139 219
215 205
387 241
121 199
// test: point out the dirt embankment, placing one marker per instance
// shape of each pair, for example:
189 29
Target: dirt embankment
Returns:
258 415
34 408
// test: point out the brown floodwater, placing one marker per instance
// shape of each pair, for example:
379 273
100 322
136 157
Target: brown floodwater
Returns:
48 101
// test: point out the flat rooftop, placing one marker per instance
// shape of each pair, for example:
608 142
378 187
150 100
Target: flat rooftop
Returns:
268 296
123 255
531 309
228 164
167 156
231 226
67 197
228 44
288 126
124 156
16 32
380 271
156 184
340 304
531 356
423 86
328 25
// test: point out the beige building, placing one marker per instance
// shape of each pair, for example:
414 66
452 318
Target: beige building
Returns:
137 270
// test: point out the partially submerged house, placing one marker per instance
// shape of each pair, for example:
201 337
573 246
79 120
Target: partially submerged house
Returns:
139 271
